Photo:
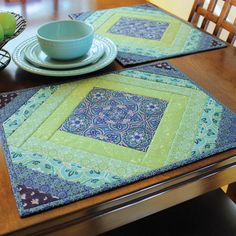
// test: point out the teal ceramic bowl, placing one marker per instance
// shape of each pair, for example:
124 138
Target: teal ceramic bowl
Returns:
65 40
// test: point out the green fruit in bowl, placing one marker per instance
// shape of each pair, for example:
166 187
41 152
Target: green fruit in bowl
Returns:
1 34
8 23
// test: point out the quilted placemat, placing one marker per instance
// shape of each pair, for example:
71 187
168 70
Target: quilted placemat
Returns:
144 33
70 141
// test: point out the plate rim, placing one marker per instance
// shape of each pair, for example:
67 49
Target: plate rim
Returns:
110 55
37 62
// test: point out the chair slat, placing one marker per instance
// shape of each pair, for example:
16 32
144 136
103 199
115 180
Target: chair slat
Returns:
232 36
223 15
209 15
210 9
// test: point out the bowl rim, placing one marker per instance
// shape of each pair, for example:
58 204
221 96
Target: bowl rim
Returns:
65 40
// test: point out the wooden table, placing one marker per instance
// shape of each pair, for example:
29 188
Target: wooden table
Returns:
214 70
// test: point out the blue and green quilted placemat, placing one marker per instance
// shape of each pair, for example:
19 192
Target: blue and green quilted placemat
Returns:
144 33
70 141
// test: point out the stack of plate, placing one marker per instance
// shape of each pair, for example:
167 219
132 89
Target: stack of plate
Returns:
29 57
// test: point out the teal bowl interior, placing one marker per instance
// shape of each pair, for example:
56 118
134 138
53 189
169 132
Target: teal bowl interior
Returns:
65 40
65 30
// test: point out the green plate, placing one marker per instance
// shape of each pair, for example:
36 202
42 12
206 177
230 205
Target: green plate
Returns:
37 57
109 55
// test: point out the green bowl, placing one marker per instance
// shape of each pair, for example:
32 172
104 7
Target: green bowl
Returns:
65 40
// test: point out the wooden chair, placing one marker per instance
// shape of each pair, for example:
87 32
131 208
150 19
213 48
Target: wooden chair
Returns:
209 16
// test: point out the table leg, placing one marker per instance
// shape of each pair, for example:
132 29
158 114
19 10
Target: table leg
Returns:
231 191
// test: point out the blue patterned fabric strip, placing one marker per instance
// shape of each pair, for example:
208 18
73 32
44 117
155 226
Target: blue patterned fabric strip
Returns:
47 183
20 98
227 128
33 197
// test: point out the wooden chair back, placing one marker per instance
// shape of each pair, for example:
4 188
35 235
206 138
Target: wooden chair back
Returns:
209 15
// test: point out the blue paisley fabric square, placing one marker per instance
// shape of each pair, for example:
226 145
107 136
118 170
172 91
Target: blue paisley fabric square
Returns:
116 117
140 28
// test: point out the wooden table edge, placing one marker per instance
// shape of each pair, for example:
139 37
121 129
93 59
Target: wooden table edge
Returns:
190 184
